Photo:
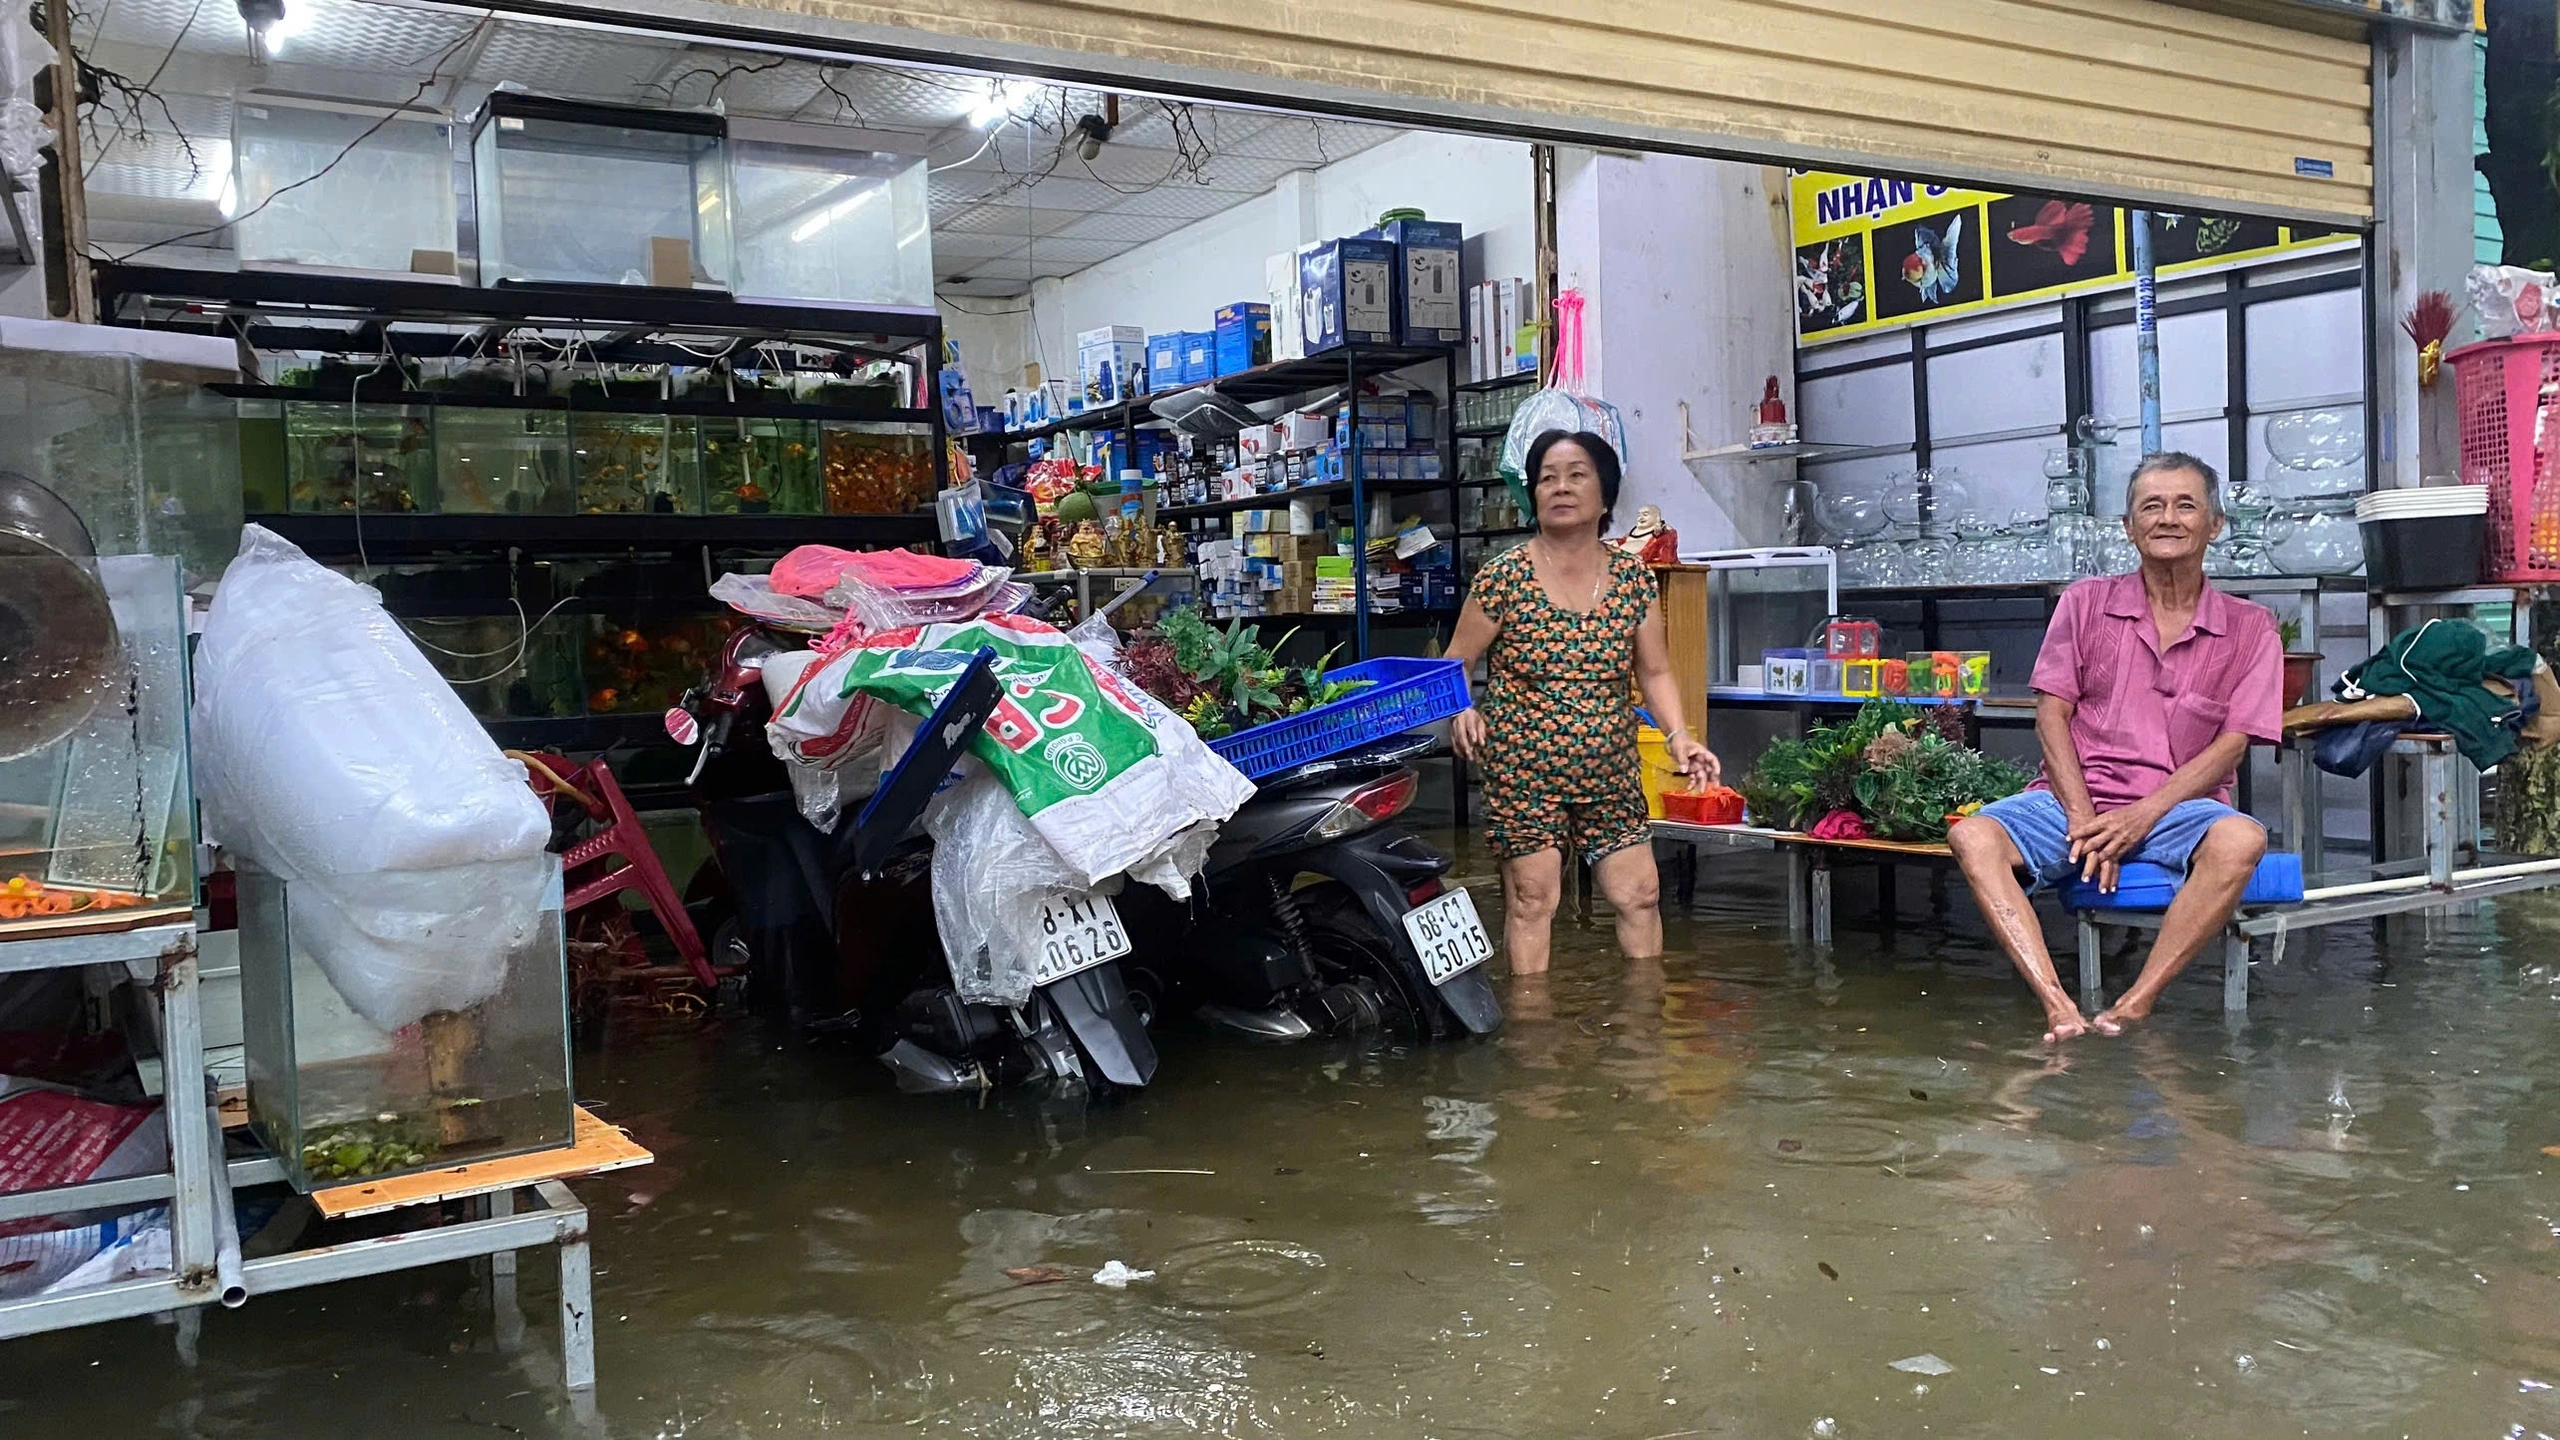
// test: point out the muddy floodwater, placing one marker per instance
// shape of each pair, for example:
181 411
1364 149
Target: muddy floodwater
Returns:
1717 1196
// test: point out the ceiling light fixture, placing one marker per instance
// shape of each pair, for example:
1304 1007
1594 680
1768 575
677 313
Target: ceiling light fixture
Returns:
271 23
1001 98
1096 129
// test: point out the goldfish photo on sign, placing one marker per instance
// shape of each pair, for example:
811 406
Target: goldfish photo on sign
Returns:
1928 262
2039 242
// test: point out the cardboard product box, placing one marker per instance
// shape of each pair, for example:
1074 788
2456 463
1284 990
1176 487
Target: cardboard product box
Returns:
1280 292
1510 310
1346 294
1164 361
1199 357
1477 330
1302 430
1111 364
1430 303
1244 337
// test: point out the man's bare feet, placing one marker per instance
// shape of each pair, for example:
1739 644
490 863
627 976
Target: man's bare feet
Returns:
2066 1024
2113 1019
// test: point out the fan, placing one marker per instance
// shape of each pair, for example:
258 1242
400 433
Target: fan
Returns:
59 652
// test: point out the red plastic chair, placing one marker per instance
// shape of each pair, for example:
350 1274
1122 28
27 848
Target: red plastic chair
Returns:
593 878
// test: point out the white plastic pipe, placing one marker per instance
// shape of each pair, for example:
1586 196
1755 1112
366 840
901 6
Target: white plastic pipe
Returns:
2420 882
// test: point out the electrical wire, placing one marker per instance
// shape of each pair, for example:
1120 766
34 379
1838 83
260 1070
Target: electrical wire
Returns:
524 641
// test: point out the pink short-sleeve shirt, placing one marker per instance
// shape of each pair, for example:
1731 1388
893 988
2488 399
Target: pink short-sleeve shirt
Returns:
2142 710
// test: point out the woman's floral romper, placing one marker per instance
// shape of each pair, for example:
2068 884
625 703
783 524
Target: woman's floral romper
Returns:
1560 728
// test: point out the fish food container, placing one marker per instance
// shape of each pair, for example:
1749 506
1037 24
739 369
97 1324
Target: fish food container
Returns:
2431 537
567 192
340 1098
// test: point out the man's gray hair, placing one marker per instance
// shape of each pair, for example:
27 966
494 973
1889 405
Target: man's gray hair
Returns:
2167 460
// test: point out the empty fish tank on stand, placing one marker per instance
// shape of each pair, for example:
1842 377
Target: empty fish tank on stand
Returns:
569 193
829 215
298 206
371 1054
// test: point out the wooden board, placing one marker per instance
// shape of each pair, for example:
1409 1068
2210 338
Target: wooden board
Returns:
1916 849
95 922
599 1147
1683 589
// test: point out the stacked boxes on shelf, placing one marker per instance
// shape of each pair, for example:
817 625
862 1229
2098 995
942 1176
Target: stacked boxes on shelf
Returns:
1429 308
1502 330
1242 337
1111 365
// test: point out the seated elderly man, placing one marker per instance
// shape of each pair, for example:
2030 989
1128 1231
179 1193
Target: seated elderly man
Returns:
2149 688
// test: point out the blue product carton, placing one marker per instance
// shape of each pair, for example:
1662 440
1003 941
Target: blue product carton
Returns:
1199 357
1244 336
1430 304
1346 291
1164 361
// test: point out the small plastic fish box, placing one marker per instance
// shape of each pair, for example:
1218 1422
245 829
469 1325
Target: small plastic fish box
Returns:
2141 885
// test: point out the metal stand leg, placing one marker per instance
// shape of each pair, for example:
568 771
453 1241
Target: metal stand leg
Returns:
2235 972
504 1310
1821 903
182 1100
2301 788
189 1325
577 1293
2092 986
1888 903
1795 892
2435 773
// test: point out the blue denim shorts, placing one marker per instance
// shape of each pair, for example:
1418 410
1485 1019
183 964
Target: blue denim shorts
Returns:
2037 826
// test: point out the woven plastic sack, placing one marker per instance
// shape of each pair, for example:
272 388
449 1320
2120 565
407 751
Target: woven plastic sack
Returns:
1563 406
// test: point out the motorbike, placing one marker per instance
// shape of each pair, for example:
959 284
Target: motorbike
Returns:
836 929
1317 914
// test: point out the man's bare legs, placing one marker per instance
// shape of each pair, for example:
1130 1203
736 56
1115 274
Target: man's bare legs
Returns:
1990 861
1627 876
1531 886
2216 875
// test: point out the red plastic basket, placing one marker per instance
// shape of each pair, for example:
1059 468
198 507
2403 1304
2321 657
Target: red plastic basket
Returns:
2508 392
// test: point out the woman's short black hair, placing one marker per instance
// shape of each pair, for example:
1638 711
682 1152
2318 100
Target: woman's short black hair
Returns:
1604 459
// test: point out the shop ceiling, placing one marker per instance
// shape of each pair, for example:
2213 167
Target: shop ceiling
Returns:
1011 201
2256 106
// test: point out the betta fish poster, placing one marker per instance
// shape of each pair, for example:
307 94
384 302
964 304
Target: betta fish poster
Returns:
1873 253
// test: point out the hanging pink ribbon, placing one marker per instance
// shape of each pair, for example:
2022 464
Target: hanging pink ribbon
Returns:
1567 374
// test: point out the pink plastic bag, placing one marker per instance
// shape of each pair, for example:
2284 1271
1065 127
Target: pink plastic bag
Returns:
812 570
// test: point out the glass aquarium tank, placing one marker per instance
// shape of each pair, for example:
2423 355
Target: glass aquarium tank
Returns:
635 464
371 455
339 1095
478 655
877 468
760 466
823 215
492 461
131 439
263 483
644 664
567 192
298 206
97 810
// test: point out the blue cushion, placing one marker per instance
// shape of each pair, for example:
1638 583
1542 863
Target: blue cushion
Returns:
2278 881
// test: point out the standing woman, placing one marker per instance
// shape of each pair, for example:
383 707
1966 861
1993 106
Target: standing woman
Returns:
1565 619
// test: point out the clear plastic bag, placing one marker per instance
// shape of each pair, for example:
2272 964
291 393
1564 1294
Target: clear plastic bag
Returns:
754 597
328 752
1563 406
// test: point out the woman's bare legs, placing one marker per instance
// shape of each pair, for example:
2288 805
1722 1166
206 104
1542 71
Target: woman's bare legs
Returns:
1634 888
1531 886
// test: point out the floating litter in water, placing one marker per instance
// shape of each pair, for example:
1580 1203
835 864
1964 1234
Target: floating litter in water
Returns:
1922 1365
2102 1343
2527 1387
2144 1231
2049 1370
2245 1362
1118 1276
1825 1428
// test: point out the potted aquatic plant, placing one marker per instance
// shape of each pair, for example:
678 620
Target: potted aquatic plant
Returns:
2300 666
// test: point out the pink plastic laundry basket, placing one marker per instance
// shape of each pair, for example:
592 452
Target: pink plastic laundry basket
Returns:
2509 395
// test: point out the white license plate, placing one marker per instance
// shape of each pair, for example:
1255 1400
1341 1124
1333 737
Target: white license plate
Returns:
1447 935
1076 932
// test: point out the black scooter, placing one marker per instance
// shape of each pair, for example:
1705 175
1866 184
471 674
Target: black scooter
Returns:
836 929
1316 914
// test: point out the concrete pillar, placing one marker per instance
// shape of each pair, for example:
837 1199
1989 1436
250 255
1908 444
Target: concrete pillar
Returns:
2422 91
1685 263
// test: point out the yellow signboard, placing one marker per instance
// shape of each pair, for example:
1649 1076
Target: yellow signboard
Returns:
1874 253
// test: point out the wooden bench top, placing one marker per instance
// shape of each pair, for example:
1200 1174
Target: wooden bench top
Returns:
1912 849
598 1147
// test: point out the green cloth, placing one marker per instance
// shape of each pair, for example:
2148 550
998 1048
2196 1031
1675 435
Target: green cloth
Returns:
2443 665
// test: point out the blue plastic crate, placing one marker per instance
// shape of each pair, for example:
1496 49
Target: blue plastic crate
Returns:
1405 694
2143 886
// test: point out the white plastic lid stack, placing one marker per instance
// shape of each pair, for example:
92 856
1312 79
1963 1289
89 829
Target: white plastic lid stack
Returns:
2424 502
